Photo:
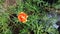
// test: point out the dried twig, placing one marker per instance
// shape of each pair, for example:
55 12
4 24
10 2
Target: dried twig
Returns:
53 9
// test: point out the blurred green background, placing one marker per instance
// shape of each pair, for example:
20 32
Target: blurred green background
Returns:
40 19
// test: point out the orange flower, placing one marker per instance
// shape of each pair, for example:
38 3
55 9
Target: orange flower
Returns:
22 17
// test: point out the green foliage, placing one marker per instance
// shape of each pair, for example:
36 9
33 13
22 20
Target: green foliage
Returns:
38 21
4 29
